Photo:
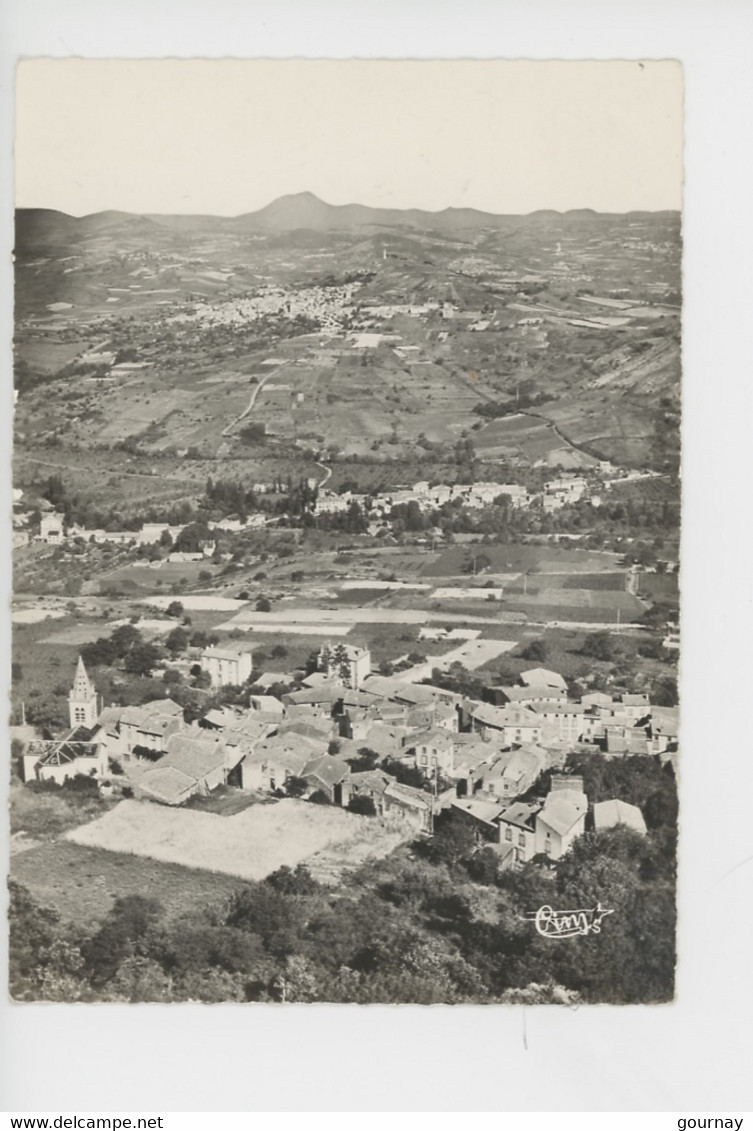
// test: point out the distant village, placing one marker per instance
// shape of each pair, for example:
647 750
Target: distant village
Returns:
376 508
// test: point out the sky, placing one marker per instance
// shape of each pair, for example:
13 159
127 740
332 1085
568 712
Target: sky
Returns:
228 136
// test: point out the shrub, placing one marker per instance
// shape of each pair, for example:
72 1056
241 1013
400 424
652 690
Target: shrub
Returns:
364 806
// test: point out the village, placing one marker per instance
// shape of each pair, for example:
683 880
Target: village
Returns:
379 747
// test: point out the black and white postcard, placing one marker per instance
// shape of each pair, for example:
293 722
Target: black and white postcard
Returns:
346 532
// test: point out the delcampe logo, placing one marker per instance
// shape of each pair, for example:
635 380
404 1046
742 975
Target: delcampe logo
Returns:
566 924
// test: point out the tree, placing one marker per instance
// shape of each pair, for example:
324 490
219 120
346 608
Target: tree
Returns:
599 645
124 930
319 797
366 759
176 641
362 805
293 881
295 786
125 637
537 651
142 659
263 605
175 609
341 663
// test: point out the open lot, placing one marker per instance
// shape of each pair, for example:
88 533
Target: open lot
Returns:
250 844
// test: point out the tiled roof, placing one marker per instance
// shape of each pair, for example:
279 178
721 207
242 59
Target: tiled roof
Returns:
486 811
559 813
607 814
326 768
521 814
167 783
542 677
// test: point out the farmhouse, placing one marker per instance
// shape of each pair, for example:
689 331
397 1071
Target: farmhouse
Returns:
514 773
52 529
513 724
432 750
517 827
560 822
329 775
193 764
266 707
409 804
635 706
561 722
480 814
372 784
151 725
274 761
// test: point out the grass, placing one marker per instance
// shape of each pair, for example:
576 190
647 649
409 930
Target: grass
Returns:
83 883
250 844
515 557
45 816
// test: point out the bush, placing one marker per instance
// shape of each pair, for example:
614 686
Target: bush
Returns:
319 797
295 786
364 806
537 651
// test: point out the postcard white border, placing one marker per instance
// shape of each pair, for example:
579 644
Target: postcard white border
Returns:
694 1053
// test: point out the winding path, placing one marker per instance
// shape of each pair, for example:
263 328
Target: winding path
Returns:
254 394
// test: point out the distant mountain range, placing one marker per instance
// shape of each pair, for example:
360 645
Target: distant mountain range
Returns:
38 226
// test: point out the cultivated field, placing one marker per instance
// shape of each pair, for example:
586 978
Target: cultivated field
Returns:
249 845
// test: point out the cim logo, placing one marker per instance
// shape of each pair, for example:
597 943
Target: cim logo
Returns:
567 924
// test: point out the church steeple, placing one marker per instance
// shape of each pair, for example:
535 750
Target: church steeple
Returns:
82 700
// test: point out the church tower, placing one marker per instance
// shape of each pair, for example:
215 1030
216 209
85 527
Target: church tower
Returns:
82 700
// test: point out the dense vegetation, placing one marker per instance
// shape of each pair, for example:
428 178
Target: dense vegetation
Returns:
436 922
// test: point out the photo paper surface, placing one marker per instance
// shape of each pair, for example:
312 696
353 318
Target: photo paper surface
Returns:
346 521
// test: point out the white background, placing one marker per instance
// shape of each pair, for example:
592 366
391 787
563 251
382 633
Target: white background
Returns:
694 1055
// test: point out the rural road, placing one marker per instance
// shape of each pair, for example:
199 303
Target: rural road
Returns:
326 470
128 474
255 393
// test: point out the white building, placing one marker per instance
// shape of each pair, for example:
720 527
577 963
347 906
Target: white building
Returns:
227 665
51 528
345 662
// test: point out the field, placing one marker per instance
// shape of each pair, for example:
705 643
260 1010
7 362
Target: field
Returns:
250 844
81 884
43 816
518 558
531 439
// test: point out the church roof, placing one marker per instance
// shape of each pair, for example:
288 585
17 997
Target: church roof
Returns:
83 688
